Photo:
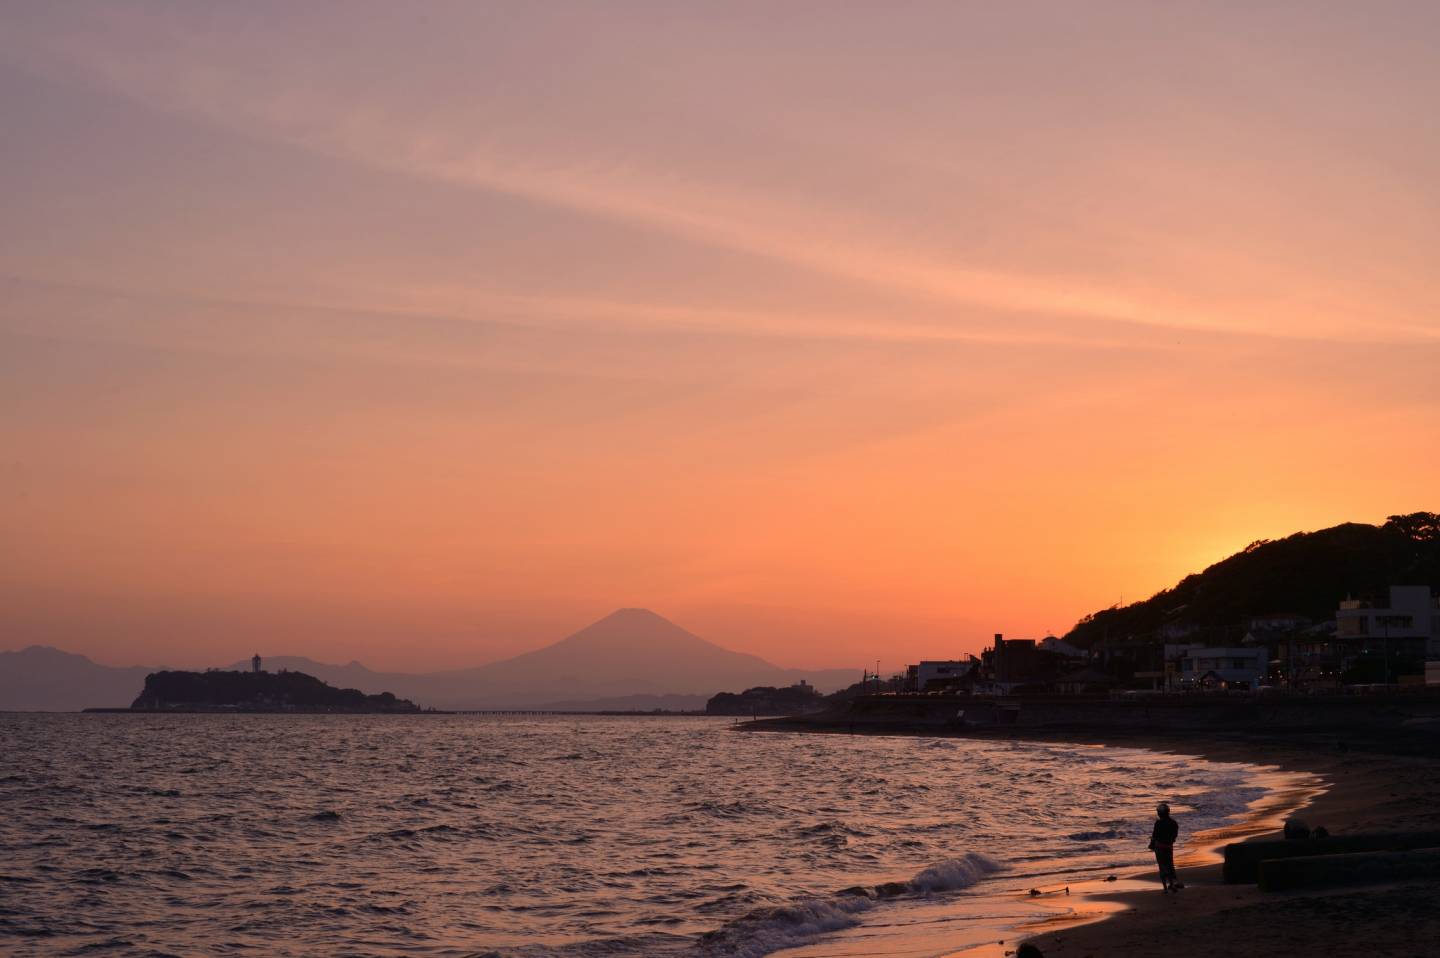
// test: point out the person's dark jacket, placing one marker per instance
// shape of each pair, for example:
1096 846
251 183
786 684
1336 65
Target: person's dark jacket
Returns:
1164 833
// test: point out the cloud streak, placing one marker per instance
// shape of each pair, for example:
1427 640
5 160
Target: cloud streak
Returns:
843 245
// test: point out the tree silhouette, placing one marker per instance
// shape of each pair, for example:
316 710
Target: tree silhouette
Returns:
1308 574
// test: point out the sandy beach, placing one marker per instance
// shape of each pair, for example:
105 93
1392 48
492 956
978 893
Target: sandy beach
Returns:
1367 784
1364 792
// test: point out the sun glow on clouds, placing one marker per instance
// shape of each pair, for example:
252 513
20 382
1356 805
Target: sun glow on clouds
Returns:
816 330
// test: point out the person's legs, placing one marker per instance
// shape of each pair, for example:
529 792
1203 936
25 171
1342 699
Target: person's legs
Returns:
1165 858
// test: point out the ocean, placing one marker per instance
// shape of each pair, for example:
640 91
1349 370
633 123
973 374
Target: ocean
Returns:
520 837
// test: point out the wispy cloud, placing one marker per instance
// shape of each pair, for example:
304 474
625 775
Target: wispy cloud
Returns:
148 315
831 240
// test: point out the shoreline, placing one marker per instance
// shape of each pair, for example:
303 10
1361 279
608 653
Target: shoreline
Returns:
1021 899
1288 793
1379 786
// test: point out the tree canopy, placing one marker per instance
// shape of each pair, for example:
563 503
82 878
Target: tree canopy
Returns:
1307 574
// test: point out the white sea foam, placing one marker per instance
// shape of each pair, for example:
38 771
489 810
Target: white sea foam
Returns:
771 929
766 930
954 874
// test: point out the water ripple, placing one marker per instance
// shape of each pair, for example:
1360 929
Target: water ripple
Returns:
449 836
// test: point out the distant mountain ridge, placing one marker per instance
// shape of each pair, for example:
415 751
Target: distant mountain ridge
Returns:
1307 574
45 678
631 656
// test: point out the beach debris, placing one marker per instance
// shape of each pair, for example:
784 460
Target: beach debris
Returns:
1110 878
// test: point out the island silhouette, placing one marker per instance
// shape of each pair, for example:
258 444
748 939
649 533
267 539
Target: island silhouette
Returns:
257 691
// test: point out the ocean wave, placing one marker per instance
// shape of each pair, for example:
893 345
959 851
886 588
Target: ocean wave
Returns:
955 873
782 926
651 944
1093 836
735 809
830 835
664 831
772 928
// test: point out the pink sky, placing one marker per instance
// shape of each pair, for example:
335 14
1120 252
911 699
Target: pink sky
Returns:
426 334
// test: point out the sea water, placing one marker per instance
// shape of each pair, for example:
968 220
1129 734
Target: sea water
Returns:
435 835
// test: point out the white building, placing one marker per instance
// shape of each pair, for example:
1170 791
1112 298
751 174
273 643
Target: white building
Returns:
1172 653
1061 647
1412 615
1278 622
1223 667
927 672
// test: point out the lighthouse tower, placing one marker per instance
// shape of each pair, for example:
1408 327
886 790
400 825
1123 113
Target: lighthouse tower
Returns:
255 663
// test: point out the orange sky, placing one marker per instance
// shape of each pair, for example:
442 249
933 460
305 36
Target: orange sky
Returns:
426 335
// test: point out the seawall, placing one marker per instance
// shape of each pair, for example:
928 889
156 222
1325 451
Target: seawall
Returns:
1401 723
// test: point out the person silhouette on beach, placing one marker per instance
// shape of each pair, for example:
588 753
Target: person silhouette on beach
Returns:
1162 843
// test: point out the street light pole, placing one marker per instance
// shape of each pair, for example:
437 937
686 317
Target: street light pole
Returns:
1385 626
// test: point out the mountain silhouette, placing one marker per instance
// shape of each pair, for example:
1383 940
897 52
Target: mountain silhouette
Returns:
629 652
350 676
41 677
631 655
633 649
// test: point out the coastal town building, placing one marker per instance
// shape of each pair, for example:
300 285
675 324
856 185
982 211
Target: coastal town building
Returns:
1087 681
1408 625
1012 661
1060 647
944 672
1311 659
1277 622
1223 668
1171 653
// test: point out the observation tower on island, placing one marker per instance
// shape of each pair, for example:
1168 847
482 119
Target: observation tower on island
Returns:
255 663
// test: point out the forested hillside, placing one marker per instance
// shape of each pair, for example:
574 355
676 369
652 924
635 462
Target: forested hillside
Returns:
1307 573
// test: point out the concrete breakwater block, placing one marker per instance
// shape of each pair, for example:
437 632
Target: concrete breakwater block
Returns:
1243 859
1360 868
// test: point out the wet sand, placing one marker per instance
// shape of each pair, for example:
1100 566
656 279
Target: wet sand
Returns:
989 922
1366 786
1365 792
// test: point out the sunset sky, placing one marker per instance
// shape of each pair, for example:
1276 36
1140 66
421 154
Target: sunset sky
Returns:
427 333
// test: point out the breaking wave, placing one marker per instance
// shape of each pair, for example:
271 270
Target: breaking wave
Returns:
770 929
438 835
1093 836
